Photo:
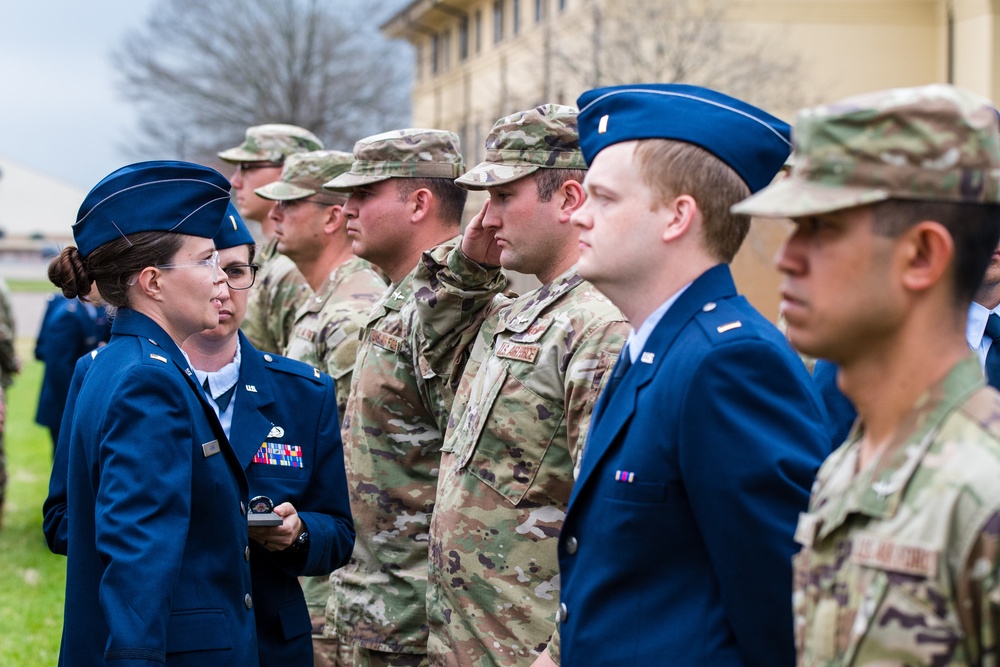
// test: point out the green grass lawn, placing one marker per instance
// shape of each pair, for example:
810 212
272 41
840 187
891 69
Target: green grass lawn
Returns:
26 285
31 595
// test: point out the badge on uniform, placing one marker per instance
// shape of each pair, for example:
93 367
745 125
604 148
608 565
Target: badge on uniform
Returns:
278 454
262 512
624 476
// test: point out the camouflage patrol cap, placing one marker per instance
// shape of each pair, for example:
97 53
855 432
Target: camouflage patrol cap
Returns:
410 153
272 143
305 173
934 143
545 137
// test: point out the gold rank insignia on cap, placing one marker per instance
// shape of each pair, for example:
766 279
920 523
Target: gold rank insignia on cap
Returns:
233 220
602 125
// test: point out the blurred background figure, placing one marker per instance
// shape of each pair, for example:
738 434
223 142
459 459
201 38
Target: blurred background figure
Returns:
70 329
10 365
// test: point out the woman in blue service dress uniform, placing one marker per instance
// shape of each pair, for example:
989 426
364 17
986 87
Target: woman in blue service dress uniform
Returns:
158 556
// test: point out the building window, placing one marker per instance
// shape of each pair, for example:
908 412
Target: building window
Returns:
516 19
539 10
435 53
497 21
446 51
479 30
419 57
463 38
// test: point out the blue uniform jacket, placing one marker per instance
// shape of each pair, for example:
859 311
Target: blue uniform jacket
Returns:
68 332
269 407
157 567
281 401
677 544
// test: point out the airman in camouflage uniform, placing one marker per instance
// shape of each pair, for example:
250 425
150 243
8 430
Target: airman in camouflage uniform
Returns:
896 199
521 411
310 230
403 201
280 288
10 365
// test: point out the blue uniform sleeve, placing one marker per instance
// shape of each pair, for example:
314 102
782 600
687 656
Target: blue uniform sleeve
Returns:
753 438
143 507
66 330
325 507
54 508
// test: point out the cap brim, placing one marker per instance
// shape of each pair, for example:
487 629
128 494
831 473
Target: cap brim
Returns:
486 175
349 181
239 155
282 191
791 197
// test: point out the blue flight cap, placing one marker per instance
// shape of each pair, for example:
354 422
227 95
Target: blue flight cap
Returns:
163 195
233 231
752 142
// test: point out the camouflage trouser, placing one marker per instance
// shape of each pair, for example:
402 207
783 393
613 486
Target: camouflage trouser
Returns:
329 651
3 474
367 658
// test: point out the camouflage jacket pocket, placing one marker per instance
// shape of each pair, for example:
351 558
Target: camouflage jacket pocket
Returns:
905 627
513 437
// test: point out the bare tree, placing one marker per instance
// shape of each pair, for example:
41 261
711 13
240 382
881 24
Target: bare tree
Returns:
202 71
678 41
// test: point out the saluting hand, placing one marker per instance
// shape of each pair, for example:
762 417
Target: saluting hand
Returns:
479 243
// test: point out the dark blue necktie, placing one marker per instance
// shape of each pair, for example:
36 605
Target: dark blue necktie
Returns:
993 356
223 400
624 363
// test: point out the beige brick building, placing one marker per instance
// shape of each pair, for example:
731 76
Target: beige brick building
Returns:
478 60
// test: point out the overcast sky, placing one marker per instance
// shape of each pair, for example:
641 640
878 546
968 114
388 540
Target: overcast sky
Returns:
59 111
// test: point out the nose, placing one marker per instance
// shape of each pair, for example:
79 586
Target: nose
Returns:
350 209
581 216
790 258
236 180
276 213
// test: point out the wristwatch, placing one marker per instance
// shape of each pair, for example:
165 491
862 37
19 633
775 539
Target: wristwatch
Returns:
301 543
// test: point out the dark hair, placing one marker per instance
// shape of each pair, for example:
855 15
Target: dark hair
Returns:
672 168
112 265
252 248
974 228
450 197
550 180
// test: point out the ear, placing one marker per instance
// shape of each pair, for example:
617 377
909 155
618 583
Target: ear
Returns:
683 213
334 219
149 282
420 201
572 198
927 251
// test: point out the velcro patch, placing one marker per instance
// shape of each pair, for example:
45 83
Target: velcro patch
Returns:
304 333
508 350
872 551
386 341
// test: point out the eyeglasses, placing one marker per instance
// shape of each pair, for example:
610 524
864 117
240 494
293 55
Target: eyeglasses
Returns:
240 276
250 166
212 261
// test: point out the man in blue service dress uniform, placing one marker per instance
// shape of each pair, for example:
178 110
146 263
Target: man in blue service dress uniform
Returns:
281 417
677 544
156 506
70 329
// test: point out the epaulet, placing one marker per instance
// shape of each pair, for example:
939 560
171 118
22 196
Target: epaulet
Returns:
276 362
722 322
151 352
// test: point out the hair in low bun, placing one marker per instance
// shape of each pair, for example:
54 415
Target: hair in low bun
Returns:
68 272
